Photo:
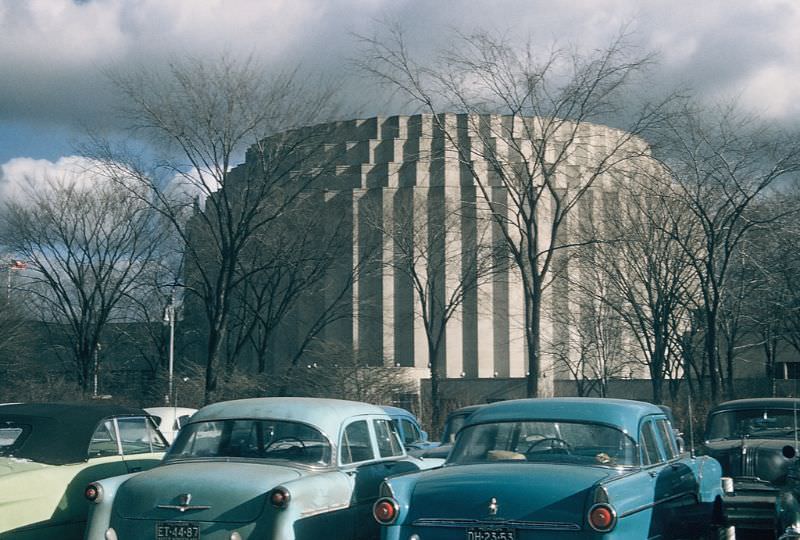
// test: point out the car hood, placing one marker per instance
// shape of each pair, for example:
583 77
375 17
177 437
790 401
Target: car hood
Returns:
758 458
216 491
522 491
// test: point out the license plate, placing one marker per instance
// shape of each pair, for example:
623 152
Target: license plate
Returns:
490 534
177 530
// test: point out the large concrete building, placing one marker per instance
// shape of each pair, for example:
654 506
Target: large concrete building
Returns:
379 168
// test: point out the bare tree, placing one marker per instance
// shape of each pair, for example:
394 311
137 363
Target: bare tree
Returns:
650 279
86 246
204 115
772 266
441 273
720 164
545 153
15 336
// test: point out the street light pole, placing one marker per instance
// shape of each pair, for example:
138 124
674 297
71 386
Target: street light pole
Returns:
169 316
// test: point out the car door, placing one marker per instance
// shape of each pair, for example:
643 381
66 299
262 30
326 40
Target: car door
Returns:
358 458
370 451
681 486
667 482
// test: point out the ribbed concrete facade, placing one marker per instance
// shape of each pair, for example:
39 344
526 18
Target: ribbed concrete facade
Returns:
383 164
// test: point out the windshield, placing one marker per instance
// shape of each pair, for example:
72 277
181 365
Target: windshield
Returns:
752 423
252 439
544 442
454 423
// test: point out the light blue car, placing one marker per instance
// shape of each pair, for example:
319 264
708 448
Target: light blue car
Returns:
561 468
266 469
411 433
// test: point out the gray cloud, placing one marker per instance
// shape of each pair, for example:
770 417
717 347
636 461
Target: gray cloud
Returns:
52 53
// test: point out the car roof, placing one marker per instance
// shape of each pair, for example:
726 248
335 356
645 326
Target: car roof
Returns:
758 403
60 432
159 411
465 411
323 413
397 411
622 413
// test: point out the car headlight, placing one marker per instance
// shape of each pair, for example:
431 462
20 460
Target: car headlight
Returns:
111 534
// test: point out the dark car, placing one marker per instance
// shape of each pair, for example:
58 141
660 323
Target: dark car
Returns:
454 422
749 438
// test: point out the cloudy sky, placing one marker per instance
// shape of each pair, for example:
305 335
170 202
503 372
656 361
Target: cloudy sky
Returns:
52 52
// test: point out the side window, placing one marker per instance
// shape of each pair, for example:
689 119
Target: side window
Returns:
137 436
104 440
356 443
650 453
181 421
668 438
388 443
410 432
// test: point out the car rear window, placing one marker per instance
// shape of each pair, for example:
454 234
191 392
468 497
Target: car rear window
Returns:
251 439
12 435
544 441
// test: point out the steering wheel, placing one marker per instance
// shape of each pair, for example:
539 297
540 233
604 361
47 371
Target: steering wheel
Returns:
556 443
301 446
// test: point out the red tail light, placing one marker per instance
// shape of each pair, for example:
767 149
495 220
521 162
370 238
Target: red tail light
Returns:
602 517
93 492
385 511
279 498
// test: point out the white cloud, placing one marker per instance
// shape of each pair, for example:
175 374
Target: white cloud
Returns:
21 175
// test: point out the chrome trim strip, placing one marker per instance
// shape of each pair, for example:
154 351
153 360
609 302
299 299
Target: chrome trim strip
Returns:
182 507
529 525
652 504
323 509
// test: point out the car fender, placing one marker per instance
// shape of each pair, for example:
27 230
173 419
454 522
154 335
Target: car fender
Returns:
99 517
311 495
709 475
423 463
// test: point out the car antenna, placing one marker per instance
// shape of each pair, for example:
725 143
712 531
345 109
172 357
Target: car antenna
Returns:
794 411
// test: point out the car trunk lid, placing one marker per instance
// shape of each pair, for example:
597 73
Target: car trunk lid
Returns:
551 496
201 491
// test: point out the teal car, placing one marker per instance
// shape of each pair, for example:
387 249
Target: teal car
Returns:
284 468
560 468
49 452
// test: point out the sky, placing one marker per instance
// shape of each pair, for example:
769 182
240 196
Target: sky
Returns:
53 53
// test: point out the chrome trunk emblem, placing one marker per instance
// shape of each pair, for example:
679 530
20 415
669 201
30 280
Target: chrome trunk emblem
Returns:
184 500
493 507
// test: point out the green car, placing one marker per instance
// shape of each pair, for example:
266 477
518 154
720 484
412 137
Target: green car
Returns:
49 452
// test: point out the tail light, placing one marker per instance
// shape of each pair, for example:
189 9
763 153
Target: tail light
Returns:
93 492
385 511
279 498
602 517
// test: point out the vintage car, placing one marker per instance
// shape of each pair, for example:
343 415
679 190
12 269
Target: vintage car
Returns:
50 451
407 425
452 424
268 468
557 468
749 437
170 419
